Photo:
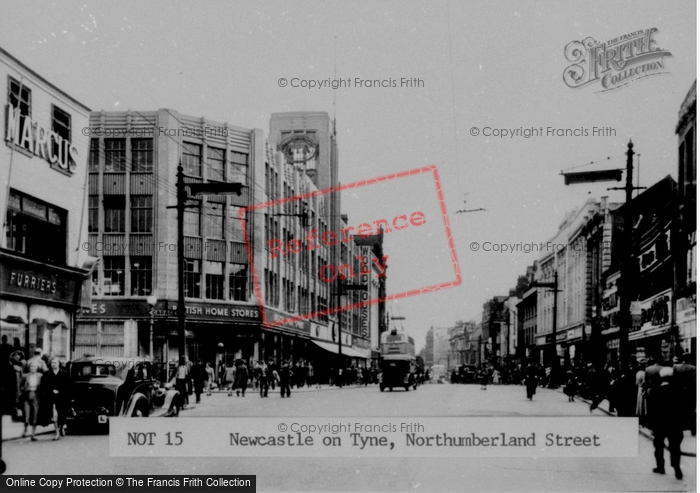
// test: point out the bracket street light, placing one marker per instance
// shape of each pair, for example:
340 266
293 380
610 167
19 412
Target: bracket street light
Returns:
195 189
553 288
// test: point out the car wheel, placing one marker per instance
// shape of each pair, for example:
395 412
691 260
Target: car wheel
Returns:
139 412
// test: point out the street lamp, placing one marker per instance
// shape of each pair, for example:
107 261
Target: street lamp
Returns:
554 288
152 300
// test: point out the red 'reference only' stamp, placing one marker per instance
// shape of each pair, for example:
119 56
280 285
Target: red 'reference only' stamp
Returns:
414 220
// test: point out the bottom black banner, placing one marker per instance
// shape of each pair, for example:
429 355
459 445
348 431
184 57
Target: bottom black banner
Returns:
240 484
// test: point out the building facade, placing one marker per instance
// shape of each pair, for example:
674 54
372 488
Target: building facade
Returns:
43 171
132 224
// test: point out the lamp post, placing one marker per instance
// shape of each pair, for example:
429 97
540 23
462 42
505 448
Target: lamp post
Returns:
554 288
195 189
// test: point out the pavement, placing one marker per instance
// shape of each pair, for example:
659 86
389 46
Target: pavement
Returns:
12 430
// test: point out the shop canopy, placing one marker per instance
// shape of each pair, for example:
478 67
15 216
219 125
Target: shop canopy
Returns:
333 348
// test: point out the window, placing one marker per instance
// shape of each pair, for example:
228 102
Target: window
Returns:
36 229
113 276
237 282
192 159
23 101
236 228
191 222
61 126
93 213
214 221
86 334
142 155
238 172
215 281
141 214
215 163
95 282
115 214
193 276
141 276
115 155
94 157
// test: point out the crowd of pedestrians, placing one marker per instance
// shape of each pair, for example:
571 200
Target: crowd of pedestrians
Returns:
34 390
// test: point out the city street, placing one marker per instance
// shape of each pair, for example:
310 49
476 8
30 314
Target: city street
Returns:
90 454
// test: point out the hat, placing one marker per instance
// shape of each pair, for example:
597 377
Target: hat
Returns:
37 351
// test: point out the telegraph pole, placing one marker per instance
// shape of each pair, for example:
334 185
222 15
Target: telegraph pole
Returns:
181 196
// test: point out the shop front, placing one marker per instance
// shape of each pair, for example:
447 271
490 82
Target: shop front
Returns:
38 303
654 325
284 339
686 321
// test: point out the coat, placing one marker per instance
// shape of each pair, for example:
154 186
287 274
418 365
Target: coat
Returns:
51 382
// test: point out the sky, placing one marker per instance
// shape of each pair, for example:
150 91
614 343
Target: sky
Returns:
480 65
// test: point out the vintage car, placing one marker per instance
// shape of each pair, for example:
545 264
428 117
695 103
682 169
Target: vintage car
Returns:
103 387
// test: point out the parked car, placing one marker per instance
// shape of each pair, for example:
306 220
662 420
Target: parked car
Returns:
105 387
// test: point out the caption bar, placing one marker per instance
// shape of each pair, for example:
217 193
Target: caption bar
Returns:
241 484
375 437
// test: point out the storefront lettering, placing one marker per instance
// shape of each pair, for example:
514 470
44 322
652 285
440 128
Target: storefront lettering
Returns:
46 144
657 314
23 280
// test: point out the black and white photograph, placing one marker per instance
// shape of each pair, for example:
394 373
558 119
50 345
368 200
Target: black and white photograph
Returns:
348 246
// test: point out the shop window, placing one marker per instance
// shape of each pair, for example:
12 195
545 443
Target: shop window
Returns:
115 214
193 276
20 96
141 276
141 214
93 213
85 337
36 229
214 220
215 163
94 156
142 155
95 282
192 159
215 281
238 282
115 155
113 276
112 339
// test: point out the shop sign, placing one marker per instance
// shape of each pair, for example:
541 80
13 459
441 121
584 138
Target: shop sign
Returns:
117 309
364 298
165 309
656 312
686 309
278 319
360 343
21 131
37 284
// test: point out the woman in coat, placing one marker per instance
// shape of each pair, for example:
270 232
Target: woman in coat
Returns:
30 387
54 388
531 381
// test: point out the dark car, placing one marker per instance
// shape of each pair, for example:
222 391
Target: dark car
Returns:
104 387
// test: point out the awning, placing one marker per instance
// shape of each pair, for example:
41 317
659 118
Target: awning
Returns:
333 348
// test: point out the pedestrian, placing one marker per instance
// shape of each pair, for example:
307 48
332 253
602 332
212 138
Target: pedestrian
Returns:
199 379
30 387
570 388
484 378
496 377
229 378
309 375
182 379
686 376
54 395
241 378
285 377
531 381
599 384
664 416
264 379
41 364
210 377
273 371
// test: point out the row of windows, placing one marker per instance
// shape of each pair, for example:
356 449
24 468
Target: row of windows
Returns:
114 213
140 274
210 220
113 158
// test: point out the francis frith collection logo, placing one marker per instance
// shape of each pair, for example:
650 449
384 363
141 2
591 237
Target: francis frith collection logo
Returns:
615 63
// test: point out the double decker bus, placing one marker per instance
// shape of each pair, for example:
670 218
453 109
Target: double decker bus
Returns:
397 361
